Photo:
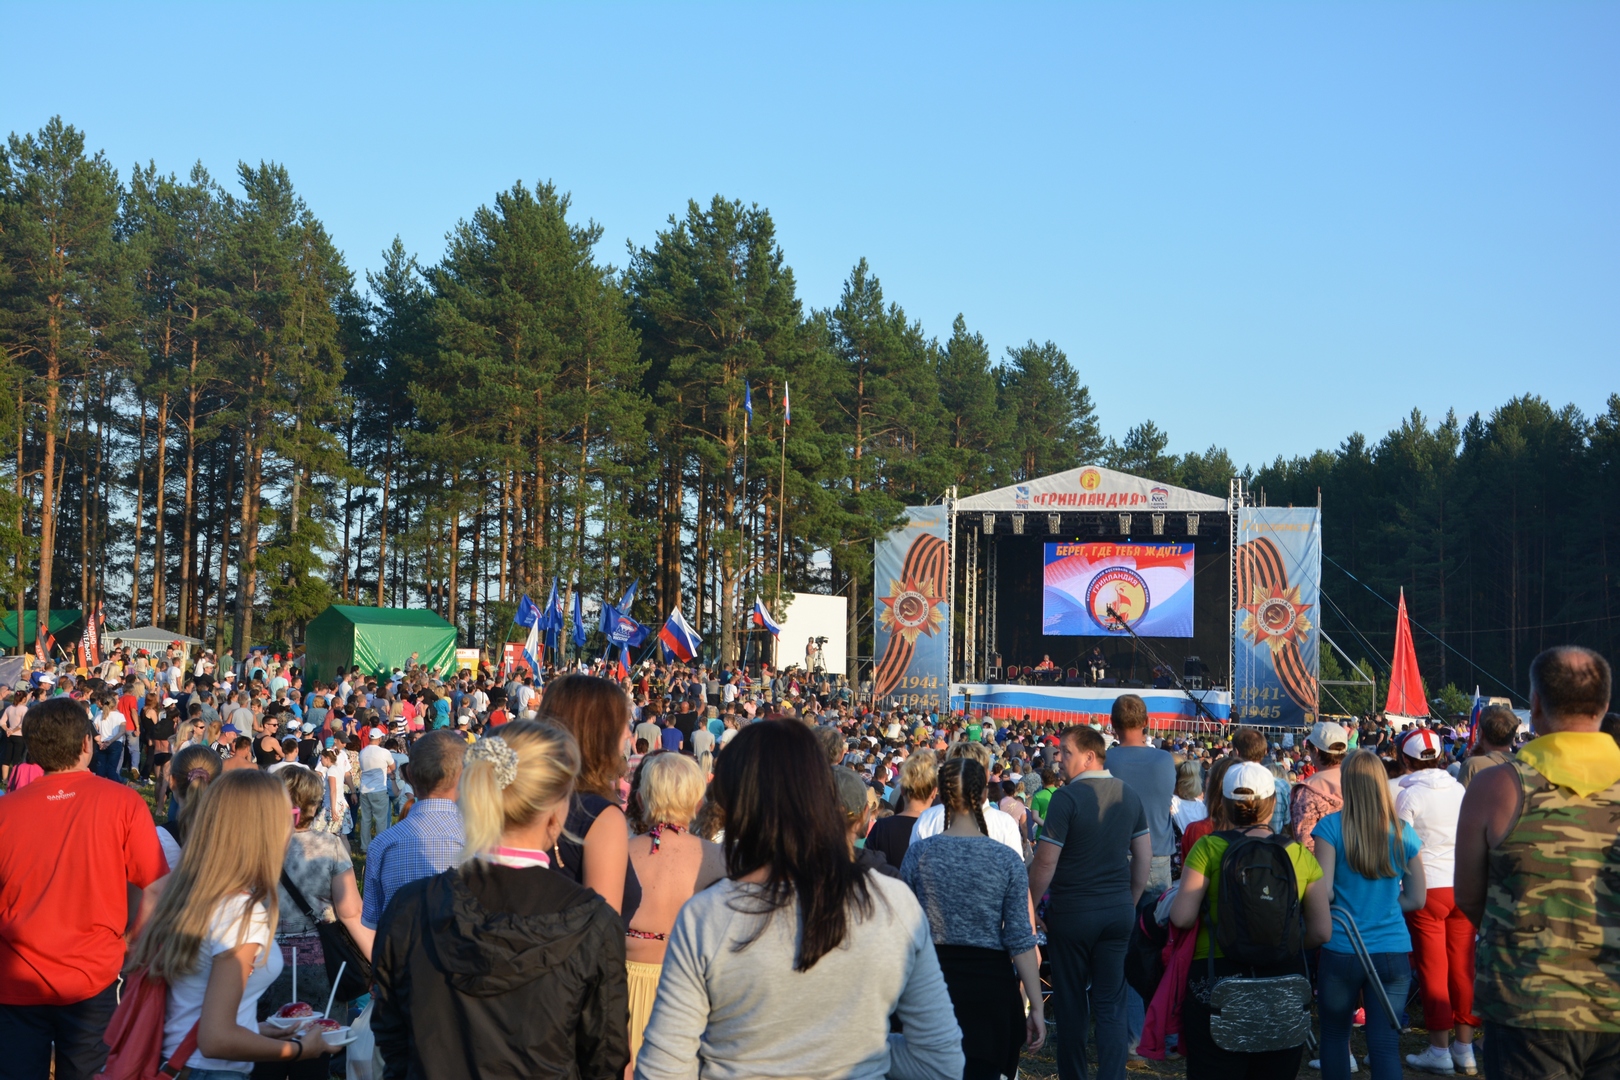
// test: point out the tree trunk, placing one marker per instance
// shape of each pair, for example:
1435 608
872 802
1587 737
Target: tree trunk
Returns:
140 510
382 522
160 601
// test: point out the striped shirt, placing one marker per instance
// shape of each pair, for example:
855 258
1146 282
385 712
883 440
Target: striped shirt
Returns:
426 843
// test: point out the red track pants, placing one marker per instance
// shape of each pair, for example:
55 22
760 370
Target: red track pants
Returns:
1443 953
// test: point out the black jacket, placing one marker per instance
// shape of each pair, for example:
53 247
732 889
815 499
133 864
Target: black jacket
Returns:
489 971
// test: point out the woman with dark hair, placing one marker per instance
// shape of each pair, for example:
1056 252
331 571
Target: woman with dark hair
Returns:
597 714
794 963
975 892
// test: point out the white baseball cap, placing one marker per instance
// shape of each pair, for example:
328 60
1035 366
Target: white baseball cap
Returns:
1326 735
376 733
1247 781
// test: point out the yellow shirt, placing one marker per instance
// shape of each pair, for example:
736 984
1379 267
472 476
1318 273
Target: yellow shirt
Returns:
1205 857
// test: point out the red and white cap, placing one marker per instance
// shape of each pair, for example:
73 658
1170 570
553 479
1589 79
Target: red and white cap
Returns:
1421 743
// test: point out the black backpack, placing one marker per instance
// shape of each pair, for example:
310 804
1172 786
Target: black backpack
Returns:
1143 966
1262 924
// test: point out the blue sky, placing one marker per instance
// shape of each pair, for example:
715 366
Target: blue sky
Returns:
1260 225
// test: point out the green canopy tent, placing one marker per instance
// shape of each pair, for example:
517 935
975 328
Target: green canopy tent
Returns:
375 640
60 619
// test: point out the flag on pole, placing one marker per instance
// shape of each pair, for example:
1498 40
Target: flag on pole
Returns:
531 649
622 666
748 404
787 410
763 618
579 622
629 598
1473 718
679 637
91 641
527 613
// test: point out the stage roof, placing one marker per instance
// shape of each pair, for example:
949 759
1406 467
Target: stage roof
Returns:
1091 487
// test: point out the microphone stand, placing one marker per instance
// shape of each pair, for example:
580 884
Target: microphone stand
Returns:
1198 703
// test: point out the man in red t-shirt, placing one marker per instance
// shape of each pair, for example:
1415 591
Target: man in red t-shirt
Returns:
75 852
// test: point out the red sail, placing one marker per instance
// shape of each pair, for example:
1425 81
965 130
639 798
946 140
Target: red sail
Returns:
1405 684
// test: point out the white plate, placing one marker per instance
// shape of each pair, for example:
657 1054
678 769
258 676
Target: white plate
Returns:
343 1036
287 1023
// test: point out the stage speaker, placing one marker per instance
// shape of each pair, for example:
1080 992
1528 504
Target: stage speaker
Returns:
1135 684
1107 684
1074 680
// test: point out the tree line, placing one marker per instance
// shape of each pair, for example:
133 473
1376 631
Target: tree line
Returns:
217 428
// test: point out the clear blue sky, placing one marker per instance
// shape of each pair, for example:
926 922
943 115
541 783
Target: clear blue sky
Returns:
1260 225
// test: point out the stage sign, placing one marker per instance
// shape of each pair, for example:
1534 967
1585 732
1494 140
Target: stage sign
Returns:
1274 640
912 632
1097 589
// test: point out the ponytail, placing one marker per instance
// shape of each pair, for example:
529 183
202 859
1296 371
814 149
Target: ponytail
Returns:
509 779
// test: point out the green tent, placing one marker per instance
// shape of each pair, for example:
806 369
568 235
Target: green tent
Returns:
376 640
60 618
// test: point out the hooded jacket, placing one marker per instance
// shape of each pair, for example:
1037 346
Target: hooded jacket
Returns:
489 971
1431 801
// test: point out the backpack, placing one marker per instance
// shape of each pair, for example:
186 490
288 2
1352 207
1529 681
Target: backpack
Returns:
1144 966
1262 923
135 1034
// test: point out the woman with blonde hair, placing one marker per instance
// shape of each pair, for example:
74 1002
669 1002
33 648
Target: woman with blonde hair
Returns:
593 847
671 865
1370 862
210 935
501 966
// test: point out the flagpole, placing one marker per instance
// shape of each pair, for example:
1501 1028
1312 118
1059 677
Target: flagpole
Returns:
743 587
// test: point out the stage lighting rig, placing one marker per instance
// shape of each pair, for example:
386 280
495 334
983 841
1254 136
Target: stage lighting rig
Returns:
1192 524
989 524
1158 524
1124 524
1018 524
1054 523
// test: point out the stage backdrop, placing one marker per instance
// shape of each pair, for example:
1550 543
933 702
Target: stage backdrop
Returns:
1274 645
912 633
1149 586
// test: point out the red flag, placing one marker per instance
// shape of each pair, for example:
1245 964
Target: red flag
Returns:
1405 684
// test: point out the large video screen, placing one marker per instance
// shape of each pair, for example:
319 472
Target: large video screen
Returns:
1092 589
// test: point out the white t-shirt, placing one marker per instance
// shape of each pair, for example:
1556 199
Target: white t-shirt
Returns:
374 762
225 933
171 848
931 822
111 726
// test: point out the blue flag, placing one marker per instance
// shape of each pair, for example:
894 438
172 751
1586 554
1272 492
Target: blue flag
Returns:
527 613
579 622
628 600
748 403
548 618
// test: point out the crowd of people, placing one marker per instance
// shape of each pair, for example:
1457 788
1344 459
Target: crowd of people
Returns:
706 872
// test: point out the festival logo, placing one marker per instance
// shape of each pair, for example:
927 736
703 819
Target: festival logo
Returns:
1090 479
1021 496
1159 498
1118 597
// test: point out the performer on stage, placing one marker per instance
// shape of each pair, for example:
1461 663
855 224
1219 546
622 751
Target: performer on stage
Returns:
1096 665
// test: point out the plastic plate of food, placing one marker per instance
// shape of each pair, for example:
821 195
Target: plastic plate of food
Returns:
290 1016
333 1032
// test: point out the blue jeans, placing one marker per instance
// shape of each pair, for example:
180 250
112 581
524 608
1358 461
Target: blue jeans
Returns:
1340 980
106 762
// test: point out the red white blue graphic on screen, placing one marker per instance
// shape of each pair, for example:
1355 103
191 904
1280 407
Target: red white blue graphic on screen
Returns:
1092 590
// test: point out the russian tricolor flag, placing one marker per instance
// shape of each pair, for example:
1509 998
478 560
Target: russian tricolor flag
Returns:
763 618
679 637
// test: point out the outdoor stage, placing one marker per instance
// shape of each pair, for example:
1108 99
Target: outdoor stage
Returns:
1084 704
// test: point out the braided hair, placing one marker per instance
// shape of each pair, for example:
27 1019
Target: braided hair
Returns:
962 784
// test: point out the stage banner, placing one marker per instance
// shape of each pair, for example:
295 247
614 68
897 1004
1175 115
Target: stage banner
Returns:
1279 587
1111 588
912 581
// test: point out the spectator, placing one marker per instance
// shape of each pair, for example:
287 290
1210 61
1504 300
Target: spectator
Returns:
1442 937
1498 725
1370 864
597 713
794 964
210 934
671 865
931 822
376 766
1536 863
75 851
427 841
1319 795
190 772
1247 801
1151 773
974 893
1094 854
1249 745
500 943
